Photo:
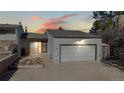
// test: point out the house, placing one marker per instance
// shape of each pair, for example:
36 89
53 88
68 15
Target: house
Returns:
63 45
60 45
10 34
73 46
33 43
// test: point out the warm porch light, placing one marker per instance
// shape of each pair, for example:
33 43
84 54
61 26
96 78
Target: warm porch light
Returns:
80 42
35 47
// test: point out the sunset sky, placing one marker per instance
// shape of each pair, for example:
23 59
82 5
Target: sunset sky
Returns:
39 21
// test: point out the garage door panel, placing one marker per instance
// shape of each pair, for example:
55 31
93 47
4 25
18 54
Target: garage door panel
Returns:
77 53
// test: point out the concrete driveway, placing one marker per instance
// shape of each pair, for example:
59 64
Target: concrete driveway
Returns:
79 71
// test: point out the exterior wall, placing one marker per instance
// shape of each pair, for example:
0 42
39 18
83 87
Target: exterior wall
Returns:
50 46
25 44
8 36
19 32
58 41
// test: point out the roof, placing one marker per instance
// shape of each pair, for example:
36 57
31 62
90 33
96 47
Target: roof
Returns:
9 26
34 36
70 34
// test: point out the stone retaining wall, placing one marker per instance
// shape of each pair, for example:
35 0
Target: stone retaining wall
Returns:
4 45
4 63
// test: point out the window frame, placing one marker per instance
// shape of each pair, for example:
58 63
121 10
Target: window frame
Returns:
42 49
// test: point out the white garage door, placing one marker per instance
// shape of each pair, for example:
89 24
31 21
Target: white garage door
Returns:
72 53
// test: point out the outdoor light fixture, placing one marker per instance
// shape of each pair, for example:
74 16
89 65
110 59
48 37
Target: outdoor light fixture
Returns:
80 42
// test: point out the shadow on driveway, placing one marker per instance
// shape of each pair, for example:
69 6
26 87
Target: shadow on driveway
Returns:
7 75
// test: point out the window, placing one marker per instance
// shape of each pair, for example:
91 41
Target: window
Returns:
44 47
7 31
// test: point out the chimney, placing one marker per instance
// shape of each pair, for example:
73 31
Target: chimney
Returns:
26 29
60 28
20 23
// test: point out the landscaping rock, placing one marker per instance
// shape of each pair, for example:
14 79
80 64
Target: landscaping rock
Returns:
31 61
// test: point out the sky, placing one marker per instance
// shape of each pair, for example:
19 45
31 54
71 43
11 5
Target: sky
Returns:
39 21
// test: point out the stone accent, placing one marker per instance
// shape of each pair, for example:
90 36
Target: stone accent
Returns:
5 45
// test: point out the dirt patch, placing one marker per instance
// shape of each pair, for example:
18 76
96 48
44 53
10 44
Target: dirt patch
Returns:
31 61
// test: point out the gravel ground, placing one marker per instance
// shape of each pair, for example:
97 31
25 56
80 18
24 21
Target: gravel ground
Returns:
76 71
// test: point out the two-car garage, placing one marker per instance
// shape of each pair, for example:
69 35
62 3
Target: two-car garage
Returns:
75 52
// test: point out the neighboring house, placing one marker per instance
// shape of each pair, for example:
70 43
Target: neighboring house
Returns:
10 34
27 43
73 46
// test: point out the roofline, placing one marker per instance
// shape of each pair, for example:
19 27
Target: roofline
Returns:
77 37
35 39
63 30
48 30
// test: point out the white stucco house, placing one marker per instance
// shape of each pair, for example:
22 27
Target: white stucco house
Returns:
73 46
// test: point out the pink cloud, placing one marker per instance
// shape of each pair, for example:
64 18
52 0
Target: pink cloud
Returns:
36 18
41 31
52 23
47 25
